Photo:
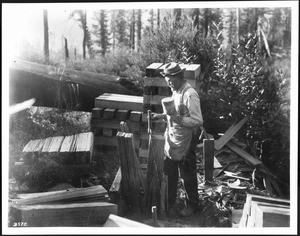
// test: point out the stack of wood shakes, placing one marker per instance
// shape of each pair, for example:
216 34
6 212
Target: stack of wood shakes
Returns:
75 150
110 110
133 186
261 211
71 207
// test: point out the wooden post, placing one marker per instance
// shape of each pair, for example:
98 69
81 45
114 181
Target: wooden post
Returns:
208 154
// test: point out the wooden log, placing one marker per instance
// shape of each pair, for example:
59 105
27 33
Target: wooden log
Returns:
243 154
219 143
117 221
64 215
208 157
116 101
152 70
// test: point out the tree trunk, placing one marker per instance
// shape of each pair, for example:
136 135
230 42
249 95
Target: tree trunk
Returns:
139 29
66 50
237 26
46 37
132 31
158 18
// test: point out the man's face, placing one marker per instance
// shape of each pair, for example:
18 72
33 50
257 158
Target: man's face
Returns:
173 82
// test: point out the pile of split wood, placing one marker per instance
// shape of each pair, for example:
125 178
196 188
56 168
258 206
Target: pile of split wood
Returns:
71 207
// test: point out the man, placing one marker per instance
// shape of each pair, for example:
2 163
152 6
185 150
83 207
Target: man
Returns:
181 139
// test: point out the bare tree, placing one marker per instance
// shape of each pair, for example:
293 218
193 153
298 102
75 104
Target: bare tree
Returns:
139 28
46 37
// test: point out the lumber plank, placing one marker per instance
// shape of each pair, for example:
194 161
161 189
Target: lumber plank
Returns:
124 167
219 143
136 116
122 115
152 70
115 101
153 99
117 221
97 113
69 195
56 144
74 214
115 187
47 144
267 216
109 114
243 154
192 71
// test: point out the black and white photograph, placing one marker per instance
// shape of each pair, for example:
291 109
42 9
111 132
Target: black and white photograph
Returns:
150 118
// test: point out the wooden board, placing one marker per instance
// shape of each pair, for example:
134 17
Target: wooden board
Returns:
70 195
267 216
152 70
118 101
73 214
192 71
153 99
117 221
115 187
243 154
219 143
56 144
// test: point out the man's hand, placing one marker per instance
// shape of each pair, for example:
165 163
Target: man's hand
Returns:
176 118
157 116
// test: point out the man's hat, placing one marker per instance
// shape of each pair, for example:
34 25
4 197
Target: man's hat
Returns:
172 68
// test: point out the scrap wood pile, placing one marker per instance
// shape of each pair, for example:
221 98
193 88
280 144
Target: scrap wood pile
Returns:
71 207
235 173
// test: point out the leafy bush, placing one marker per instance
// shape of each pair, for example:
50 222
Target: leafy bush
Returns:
245 85
46 172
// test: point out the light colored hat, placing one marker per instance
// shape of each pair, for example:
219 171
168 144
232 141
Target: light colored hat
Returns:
172 68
